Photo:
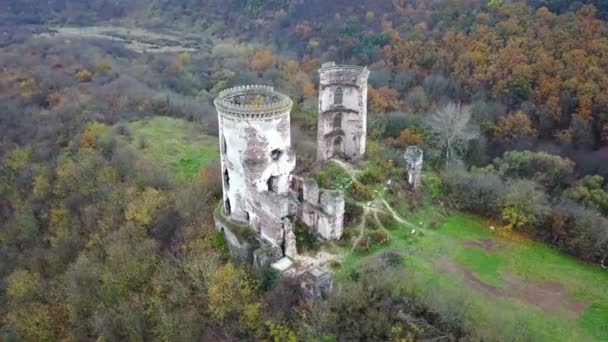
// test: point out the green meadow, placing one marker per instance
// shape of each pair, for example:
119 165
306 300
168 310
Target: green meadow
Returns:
174 144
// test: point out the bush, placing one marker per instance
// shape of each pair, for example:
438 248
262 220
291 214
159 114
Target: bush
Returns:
379 238
362 245
371 223
305 240
332 176
361 192
352 213
388 221
478 192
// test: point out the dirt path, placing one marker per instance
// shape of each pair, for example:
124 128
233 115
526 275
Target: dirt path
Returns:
379 204
549 296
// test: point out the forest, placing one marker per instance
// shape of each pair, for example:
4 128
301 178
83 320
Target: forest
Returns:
109 171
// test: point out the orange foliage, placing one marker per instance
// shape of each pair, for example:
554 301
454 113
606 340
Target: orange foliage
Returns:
408 137
383 99
513 127
262 60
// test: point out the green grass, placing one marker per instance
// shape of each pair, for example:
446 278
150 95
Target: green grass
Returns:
174 144
509 317
595 321
484 265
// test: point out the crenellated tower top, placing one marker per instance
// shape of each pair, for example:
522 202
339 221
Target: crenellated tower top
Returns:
253 102
333 74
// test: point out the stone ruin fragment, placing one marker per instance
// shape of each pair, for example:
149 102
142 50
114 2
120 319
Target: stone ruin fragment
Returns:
263 199
414 159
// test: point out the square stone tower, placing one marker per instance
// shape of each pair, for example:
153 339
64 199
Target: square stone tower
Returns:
342 125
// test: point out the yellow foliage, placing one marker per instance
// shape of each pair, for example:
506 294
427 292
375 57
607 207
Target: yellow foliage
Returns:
91 133
104 67
84 75
145 206
262 60
42 186
18 159
516 218
22 285
230 290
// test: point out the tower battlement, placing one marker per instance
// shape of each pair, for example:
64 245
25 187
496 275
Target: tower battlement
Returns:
251 102
332 74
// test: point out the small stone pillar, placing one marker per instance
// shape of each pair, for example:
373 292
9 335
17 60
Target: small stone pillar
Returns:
413 158
291 249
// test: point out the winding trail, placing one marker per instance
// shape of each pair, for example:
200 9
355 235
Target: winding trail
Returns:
377 205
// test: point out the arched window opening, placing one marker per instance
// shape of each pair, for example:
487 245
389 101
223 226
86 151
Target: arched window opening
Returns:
338 96
338 121
247 217
226 179
224 146
227 207
338 142
276 154
272 184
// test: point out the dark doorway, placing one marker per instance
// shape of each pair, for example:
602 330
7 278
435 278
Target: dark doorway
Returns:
338 146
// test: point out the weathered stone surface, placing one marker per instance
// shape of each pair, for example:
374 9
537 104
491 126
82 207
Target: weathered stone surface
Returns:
257 161
240 248
263 257
291 249
282 265
316 283
414 159
342 124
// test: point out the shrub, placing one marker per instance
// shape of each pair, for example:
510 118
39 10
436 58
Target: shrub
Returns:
305 240
332 176
388 221
361 192
371 223
379 238
352 213
362 245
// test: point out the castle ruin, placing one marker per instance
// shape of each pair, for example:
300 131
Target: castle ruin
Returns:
263 200
342 128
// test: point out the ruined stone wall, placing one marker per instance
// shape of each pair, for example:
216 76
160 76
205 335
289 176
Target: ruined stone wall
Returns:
342 123
319 209
259 190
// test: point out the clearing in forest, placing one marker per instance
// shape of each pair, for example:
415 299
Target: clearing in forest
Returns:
174 144
455 263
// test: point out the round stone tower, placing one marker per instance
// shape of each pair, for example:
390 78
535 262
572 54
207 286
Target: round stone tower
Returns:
342 125
256 156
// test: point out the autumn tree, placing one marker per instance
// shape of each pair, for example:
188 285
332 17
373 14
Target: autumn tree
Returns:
383 99
514 127
262 60
408 137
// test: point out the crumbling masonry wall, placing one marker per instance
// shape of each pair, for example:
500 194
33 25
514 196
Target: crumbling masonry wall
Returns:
342 122
260 194
319 209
